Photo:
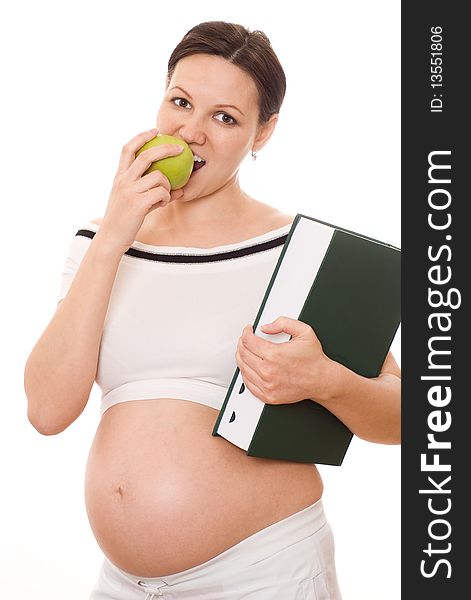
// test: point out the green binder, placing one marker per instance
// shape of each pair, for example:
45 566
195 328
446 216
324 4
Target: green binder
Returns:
347 287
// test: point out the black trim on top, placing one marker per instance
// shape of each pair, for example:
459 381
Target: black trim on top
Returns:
197 258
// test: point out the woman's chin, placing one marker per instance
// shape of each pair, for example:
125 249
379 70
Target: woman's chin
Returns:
191 191
196 188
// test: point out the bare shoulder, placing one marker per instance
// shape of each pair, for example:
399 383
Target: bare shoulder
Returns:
282 219
267 216
274 219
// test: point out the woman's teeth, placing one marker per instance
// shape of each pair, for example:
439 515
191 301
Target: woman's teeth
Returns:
198 162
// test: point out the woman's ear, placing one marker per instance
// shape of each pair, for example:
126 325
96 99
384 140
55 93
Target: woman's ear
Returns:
265 132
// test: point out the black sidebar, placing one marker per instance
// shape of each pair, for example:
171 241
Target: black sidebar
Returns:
436 331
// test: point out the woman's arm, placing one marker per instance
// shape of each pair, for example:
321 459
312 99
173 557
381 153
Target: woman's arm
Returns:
287 372
61 367
369 407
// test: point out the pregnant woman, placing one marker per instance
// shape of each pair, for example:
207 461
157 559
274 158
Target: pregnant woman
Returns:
157 298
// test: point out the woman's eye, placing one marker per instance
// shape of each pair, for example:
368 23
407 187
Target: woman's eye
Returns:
226 119
181 102
222 117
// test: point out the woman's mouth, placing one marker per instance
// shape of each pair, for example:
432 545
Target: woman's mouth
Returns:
198 162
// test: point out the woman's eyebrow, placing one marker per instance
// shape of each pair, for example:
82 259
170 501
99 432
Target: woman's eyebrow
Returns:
229 106
216 105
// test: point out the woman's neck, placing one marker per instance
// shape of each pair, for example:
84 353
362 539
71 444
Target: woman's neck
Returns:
223 208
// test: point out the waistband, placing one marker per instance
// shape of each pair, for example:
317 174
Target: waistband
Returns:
254 548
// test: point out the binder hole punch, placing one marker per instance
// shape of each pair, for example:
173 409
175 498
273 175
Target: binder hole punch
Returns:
242 388
233 416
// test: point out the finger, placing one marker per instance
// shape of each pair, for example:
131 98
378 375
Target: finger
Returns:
128 152
147 157
293 327
158 196
249 374
258 346
251 385
152 180
254 361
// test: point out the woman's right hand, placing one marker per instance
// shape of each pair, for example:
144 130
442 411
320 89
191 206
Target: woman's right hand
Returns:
132 196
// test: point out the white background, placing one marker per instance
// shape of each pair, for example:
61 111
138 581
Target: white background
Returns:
81 79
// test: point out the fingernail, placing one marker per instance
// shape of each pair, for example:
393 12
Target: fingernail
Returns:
179 148
154 131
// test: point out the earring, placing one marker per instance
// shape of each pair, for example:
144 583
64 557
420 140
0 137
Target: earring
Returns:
254 154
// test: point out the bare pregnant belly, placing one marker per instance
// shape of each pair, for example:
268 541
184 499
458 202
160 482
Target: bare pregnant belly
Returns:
163 495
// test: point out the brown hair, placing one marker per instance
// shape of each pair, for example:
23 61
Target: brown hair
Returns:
249 50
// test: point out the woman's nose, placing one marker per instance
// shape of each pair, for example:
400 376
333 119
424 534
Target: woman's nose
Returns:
192 131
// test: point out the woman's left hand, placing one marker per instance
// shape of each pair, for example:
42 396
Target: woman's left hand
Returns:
283 372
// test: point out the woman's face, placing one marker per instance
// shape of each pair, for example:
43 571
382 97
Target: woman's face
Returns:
213 106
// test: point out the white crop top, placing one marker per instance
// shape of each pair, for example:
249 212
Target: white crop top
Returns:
175 315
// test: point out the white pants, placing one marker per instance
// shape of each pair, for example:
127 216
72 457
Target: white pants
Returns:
292 559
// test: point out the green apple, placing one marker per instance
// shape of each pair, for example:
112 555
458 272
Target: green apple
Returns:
176 168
